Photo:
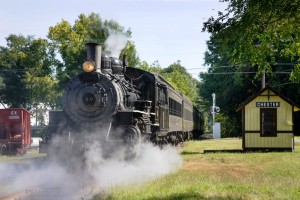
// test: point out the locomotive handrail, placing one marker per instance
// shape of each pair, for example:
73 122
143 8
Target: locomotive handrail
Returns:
134 79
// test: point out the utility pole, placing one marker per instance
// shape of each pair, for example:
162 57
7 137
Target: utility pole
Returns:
263 80
213 112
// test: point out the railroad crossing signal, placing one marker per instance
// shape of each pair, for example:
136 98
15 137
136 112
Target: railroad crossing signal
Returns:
216 110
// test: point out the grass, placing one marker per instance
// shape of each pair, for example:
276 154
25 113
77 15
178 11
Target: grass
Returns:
221 176
21 159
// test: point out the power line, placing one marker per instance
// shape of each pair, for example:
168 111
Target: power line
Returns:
229 73
196 68
212 73
232 66
244 73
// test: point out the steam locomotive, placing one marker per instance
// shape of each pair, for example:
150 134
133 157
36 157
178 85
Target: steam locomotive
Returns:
114 104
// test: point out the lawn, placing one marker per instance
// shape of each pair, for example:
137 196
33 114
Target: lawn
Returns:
221 175
21 159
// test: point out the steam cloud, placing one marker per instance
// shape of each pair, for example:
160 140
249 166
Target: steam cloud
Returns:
55 178
151 163
115 43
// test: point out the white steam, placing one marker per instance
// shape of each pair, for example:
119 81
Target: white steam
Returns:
115 43
44 177
99 174
151 164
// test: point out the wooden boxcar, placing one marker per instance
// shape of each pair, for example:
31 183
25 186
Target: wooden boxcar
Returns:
268 121
15 132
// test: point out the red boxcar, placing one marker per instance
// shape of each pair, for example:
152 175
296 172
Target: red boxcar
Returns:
15 132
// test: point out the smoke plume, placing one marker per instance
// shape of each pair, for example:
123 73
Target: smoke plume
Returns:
115 43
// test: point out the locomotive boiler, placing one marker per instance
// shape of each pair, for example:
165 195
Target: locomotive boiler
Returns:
120 106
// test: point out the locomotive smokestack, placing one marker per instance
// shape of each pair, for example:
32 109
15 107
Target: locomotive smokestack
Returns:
94 53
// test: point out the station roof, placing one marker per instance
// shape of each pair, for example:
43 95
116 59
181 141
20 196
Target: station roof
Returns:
268 87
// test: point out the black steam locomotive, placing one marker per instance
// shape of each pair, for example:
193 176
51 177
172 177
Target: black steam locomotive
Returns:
112 103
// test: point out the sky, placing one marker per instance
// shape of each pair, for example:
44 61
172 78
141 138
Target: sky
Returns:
163 30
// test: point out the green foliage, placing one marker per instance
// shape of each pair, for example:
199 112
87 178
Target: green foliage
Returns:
131 54
252 36
69 40
26 71
258 33
177 75
296 74
228 97
154 67
144 66
229 126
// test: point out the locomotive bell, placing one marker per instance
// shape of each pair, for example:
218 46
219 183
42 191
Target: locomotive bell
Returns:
94 54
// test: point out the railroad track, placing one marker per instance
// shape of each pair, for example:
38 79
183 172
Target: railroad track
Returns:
39 193
16 195
50 193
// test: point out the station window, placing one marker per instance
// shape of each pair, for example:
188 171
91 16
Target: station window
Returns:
268 121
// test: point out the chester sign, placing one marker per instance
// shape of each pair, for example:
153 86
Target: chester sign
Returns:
268 104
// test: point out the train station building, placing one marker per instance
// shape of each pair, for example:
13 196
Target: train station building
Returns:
268 121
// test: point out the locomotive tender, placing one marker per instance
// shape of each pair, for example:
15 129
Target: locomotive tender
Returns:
110 102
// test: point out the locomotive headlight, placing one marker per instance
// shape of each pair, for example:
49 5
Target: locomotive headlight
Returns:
88 66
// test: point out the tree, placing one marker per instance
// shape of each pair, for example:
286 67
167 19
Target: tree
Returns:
251 37
154 67
258 33
231 88
131 54
26 70
69 40
177 75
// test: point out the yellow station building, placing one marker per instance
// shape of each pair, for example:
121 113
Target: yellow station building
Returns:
268 121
